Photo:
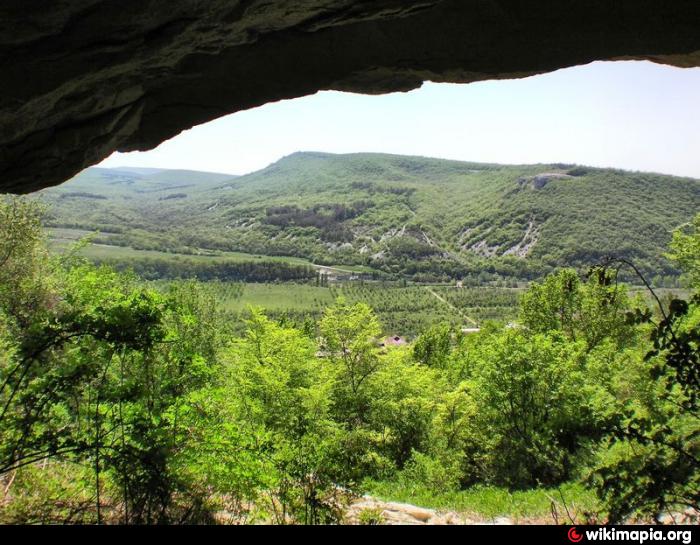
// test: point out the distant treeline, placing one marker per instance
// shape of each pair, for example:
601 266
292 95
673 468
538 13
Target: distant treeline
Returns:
326 217
174 196
82 195
233 271
317 216
376 188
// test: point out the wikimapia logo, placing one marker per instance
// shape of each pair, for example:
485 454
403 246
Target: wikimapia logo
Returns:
629 535
573 535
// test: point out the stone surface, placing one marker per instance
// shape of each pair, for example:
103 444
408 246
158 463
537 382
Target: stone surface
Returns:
394 513
80 79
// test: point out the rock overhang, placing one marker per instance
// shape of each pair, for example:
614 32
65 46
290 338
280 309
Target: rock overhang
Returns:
80 79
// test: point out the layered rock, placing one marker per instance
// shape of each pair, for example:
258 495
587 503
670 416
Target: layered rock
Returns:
80 79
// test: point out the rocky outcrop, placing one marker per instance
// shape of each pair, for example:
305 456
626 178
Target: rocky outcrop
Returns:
368 510
541 180
80 79
525 245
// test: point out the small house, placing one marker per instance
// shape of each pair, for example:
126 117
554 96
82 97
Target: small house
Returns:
394 341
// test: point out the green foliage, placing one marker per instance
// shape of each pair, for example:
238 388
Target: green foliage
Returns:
434 346
489 502
403 396
652 463
533 409
427 219
371 517
685 250
430 473
124 400
24 261
281 393
57 493
94 374
589 312
350 336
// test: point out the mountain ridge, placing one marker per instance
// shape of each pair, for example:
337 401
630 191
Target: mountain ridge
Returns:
420 217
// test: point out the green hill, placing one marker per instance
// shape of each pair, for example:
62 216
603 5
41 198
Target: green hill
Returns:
426 218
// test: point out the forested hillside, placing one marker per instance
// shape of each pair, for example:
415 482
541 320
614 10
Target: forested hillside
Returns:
137 402
426 219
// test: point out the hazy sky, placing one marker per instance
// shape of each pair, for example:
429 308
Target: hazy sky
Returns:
633 115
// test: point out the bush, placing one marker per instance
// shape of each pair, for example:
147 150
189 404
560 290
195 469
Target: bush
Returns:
436 475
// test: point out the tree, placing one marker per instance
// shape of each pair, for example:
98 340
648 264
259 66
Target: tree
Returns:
652 463
434 345
533 413
350 338
93 369
590 311
283 392
404 397
24 262
685 250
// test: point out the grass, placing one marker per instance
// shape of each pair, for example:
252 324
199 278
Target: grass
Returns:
278 297
402 310
61 239
491 502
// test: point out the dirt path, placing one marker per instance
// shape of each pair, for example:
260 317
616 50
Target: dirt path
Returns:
385 512
445 301
335 269
367 509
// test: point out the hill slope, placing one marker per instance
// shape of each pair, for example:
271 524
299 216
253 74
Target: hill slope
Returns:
428 218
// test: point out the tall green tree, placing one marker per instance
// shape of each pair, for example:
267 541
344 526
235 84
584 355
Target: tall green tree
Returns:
351 336
685 251
282 392
652 463
589 311
93 369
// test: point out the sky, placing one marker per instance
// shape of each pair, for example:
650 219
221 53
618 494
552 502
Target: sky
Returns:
632 115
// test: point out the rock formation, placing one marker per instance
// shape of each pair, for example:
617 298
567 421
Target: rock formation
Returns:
80 79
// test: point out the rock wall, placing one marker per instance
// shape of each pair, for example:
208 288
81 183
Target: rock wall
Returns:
80 79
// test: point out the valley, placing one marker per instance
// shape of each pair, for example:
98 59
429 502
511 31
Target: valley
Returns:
394 217
341 339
